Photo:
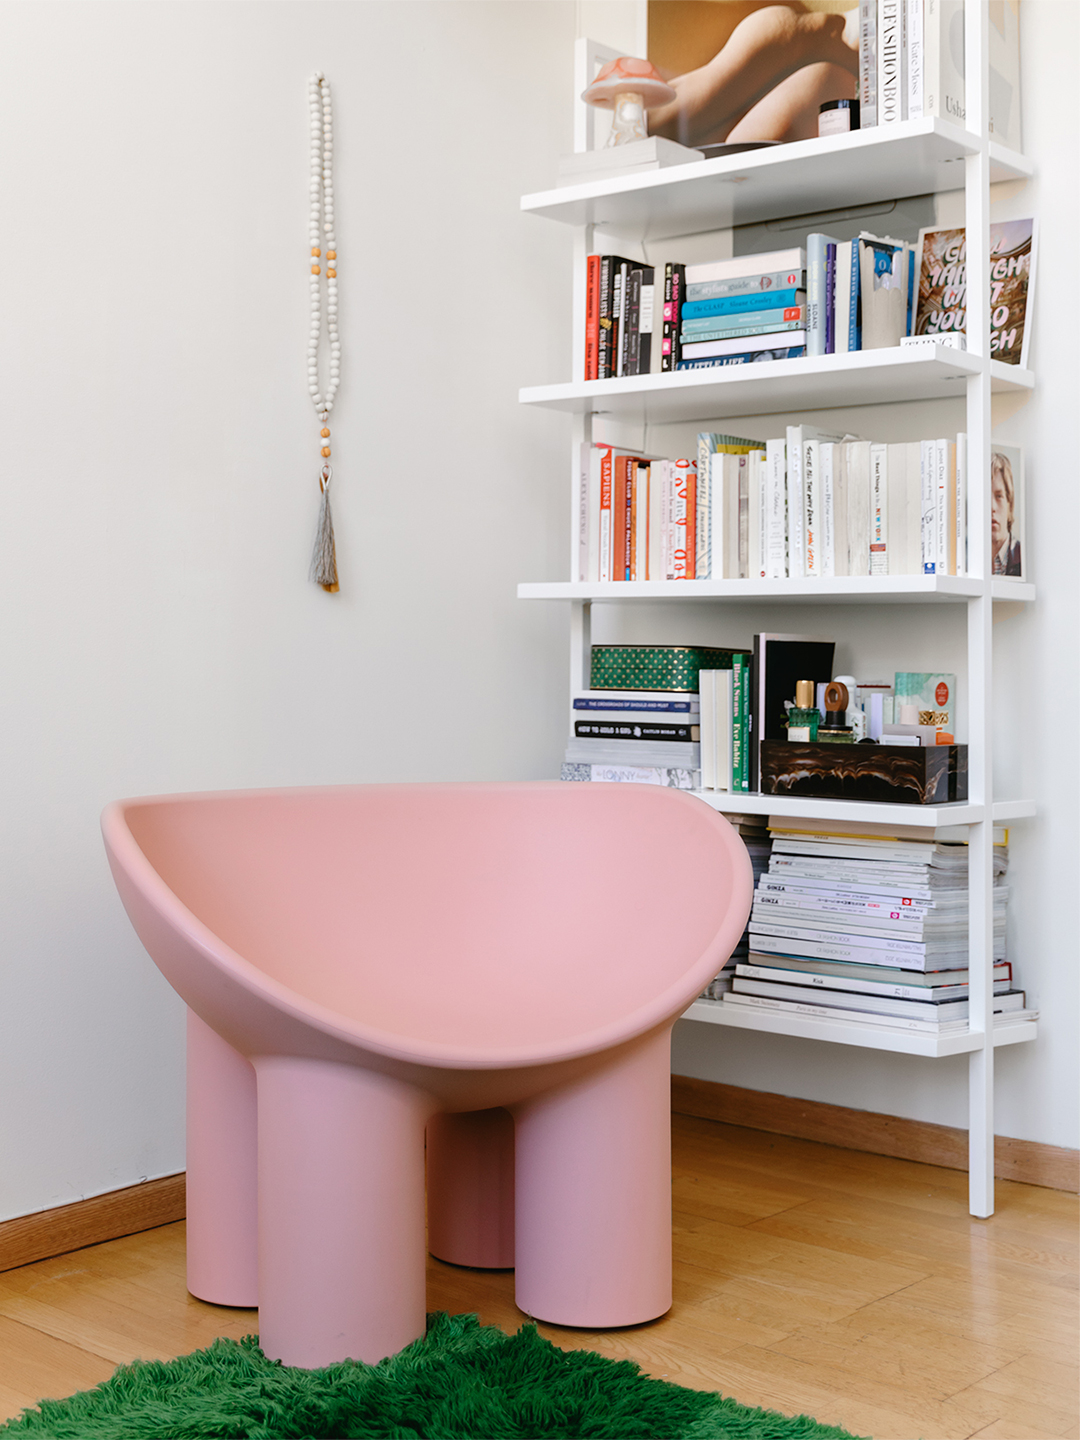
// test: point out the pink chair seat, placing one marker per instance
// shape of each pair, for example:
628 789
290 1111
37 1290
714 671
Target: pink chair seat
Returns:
497 965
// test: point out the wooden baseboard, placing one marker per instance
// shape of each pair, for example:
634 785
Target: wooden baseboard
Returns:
89 1222
1023 1160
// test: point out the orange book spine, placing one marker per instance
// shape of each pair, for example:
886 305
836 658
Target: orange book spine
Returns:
592 317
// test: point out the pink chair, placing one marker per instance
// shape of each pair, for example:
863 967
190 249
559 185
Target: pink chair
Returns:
497 965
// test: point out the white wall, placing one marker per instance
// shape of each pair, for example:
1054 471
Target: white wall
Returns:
158 462
159 501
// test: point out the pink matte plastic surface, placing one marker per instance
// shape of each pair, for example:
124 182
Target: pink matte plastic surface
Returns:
377 961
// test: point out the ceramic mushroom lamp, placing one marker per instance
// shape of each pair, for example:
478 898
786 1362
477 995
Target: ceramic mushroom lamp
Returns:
629 87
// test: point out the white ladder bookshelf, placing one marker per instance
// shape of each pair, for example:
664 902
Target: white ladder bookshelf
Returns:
913 158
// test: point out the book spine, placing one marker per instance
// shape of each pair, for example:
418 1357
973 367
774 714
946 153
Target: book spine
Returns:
775 510
747 357
796 556
834 1012
811 502
941 507
867 64
743 513
842 296
827 487
758 471
890 107
636 730
691 523
618 518
815 294
764 323
592 315
606 478
738 734
618 318
679 494
829 299
674 285
646 320
703 569
711 349
707 688
752 288
742 306
854 307
632 345
829 950
603 335
628 520
744 722
927 523
879 510
914 27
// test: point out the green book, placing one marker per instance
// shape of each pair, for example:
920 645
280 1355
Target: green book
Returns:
738 730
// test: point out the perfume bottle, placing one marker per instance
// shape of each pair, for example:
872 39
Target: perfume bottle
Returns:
836 730
804 717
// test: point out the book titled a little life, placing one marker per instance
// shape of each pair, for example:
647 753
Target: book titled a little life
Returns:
942 300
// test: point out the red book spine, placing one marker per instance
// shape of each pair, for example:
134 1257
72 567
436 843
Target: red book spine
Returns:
605 515
691 523
628 548
592 317
618 519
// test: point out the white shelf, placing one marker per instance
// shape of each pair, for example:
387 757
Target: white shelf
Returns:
771 387
845 590
917 157
852 1032
873 812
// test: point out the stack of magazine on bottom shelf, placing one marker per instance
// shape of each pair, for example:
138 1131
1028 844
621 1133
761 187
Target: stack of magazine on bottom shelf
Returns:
755 836
858 925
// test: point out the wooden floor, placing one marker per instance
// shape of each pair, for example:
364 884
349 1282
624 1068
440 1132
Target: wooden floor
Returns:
807 1279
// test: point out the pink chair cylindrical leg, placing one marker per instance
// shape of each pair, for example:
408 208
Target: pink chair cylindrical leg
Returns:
341 1212
222 1183
470 1188
593 1233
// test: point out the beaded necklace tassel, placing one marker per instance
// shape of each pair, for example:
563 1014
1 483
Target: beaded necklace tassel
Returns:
321 231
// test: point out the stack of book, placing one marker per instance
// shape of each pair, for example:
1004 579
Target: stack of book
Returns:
755 836
734 312
810 503
649 737
858 925
618 317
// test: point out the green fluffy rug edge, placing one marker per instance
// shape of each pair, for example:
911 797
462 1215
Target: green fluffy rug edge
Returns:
462 1381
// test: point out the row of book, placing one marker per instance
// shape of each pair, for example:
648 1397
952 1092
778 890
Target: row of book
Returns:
855 924
807 504
911 64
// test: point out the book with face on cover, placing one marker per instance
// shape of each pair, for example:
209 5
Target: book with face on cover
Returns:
1007 511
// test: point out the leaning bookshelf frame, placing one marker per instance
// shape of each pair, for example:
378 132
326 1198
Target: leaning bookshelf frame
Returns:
910 158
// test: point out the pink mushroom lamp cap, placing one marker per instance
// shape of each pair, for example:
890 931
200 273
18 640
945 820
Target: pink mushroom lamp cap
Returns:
627 74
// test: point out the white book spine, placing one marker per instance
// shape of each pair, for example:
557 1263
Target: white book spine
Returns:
795 502
731 516
889 42
928 528
961 504
707 721
745 470
841 493
879 510
703 560
655 570
811 486
641 521
827 490
867 64
776 510
667 521
718 517
857 485
941 506
842 303
829 1012
914 26
896 507
756 569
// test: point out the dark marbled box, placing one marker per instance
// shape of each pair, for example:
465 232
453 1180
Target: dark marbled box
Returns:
899 774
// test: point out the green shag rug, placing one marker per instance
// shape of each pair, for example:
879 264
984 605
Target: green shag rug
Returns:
463 1381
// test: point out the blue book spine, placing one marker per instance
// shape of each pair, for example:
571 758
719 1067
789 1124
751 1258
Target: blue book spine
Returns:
753 322
854 333
735 304
830 299
793 352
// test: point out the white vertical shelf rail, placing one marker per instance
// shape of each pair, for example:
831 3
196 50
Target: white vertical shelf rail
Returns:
979 618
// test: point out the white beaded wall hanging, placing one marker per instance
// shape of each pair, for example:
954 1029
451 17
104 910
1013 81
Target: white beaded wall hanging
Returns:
323 249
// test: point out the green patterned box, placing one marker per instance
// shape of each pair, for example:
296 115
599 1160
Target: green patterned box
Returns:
655 667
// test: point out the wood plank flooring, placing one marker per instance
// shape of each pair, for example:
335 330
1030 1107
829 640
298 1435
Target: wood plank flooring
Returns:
853 1287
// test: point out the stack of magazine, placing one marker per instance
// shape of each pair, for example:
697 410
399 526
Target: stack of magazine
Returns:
755 836
858 925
